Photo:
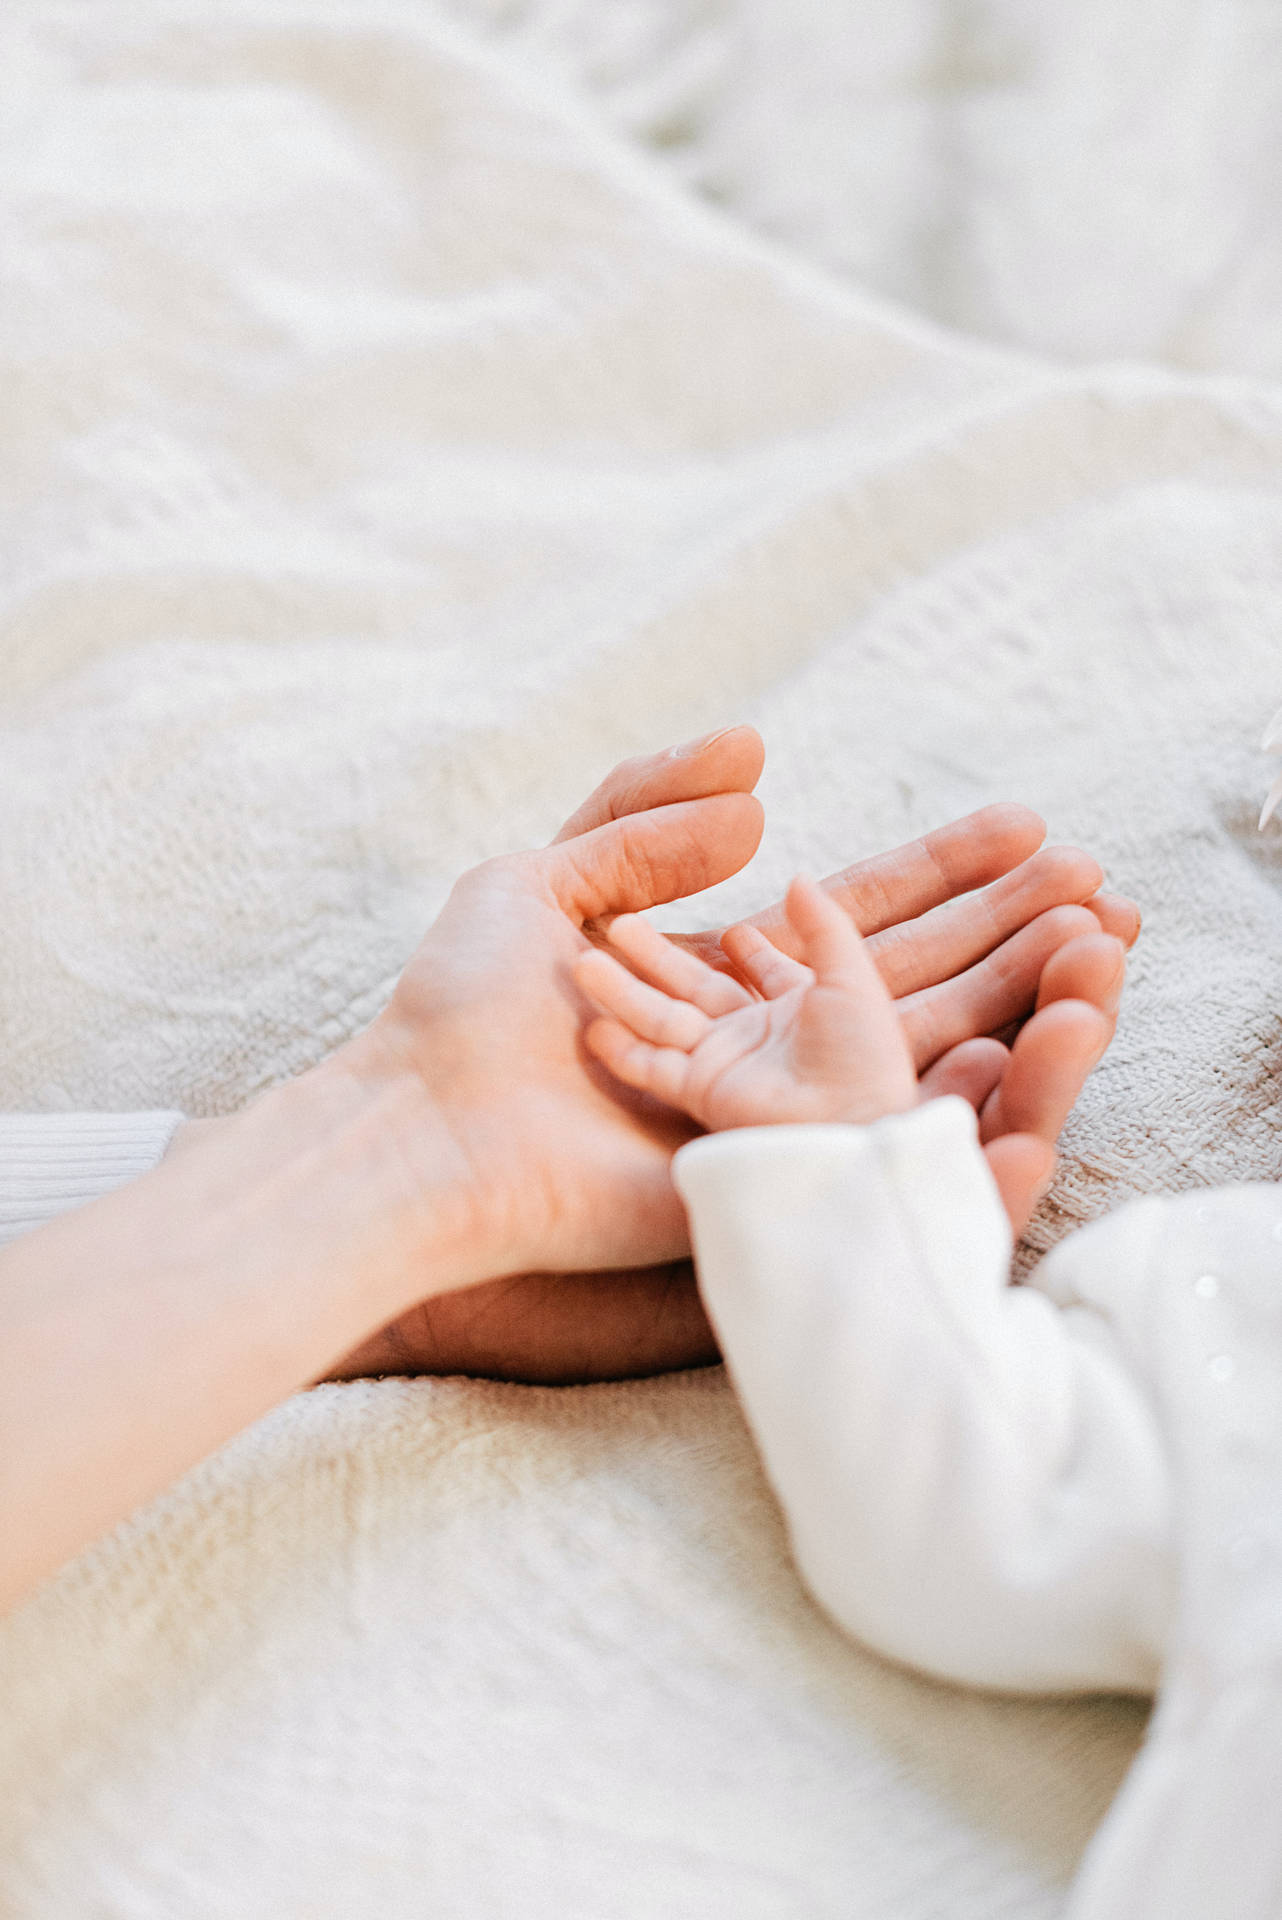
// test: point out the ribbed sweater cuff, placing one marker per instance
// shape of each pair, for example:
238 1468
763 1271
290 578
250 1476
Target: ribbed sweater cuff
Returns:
52 1162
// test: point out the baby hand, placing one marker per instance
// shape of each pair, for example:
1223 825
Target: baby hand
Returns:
823 1042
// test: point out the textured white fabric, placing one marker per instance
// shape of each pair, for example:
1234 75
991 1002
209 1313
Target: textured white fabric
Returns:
51 1162
1074 1482
385 453
1086 180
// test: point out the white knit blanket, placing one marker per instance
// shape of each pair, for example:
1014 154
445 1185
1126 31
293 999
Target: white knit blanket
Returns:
386 452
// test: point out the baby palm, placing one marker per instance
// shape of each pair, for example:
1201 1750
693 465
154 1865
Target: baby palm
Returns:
823 1042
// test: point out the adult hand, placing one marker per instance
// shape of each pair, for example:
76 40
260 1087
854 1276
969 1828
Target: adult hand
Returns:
954 919
964 923
563 1329
485 1028
974 927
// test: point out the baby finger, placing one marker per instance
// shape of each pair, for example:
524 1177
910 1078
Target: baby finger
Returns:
761 963
674 969
659 1071
648 1013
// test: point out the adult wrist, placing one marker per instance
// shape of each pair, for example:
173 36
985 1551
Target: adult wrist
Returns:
360 1155
398 1186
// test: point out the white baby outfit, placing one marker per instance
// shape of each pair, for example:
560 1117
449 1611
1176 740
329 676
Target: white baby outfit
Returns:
1076 1483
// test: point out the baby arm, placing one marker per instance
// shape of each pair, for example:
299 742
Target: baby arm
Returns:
972 1482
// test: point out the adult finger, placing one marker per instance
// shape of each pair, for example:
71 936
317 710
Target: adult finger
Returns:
911 879
727 761
1050 1063
1118 915
1022 1166
645 859
942 943
1091 967
994 993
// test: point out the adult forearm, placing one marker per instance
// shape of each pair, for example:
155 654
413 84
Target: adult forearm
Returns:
142 1331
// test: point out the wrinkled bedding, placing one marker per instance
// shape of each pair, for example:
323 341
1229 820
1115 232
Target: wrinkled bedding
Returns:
1082 181
389 445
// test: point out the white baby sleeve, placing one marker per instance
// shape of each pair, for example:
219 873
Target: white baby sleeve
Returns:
973 1481
52 1162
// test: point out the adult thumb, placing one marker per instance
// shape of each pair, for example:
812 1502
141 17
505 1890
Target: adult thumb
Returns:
645 859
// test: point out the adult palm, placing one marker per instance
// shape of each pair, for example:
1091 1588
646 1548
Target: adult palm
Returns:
488 1019
963 923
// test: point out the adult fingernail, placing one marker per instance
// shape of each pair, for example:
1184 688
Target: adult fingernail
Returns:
705 740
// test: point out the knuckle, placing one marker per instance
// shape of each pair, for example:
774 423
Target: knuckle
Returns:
624 790
497 871
645 866
872 904
921 1030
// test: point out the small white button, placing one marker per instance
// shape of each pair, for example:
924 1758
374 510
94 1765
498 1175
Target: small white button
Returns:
1206 1286
1221 1367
